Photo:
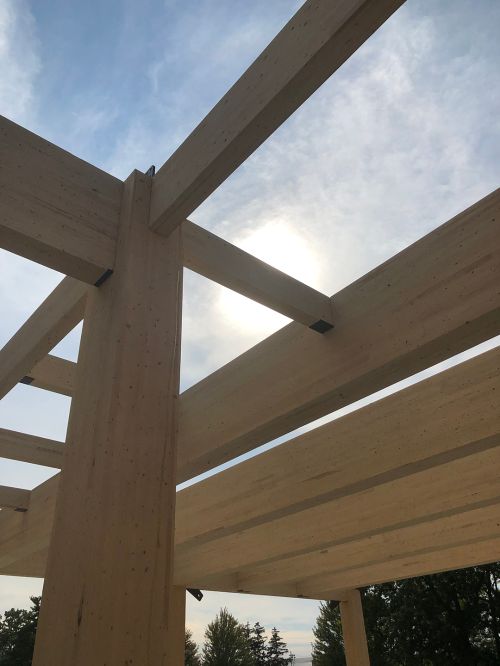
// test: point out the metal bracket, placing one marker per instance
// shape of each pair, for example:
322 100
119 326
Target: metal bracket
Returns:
197 594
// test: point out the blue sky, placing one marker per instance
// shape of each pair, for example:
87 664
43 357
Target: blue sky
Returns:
404 136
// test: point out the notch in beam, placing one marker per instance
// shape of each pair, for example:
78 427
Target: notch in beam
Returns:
216 259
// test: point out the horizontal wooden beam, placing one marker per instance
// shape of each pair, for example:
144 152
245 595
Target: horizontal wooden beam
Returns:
433 300
31 449
437 419
214 258
14 498
410 469
339 563
445 490
56 209
53 374
61 311
313 45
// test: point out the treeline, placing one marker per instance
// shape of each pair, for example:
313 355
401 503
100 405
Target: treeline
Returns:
227 641
440 620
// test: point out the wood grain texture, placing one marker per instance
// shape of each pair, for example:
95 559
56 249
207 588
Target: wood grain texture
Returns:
315 43
31 449
220 261
353 630
437 298
56 209
110 561
61 311
53 374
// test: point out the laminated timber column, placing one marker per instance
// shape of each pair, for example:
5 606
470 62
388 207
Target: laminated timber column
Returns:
353 630
108 583
177 627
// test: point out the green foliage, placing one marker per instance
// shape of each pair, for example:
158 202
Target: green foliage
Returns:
191 656
226 642
450 618
277 651
257 641
17 634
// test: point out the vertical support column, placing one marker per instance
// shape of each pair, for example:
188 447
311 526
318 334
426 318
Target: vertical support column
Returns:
108 584
177 627
353 630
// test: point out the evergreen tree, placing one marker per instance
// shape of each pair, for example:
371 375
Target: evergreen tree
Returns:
257 641
17 635
277 651
226 642
191 657
328 646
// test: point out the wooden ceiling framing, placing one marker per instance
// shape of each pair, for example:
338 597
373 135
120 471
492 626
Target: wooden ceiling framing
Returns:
403 487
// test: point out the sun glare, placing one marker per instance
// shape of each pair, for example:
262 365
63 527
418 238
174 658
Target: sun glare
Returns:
280 245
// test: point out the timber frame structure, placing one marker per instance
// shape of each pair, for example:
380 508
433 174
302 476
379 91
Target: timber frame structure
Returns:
375 493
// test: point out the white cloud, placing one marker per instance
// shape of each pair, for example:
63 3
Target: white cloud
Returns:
19 60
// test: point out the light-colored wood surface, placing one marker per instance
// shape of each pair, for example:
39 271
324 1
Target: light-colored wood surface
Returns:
14 498
56 209
315 43
438 297
358 494
220 261
31 449
424 425
353 630
53 374
177 627
110 560
60 312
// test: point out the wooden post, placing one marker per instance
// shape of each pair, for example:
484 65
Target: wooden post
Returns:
353 630
108 583
177 627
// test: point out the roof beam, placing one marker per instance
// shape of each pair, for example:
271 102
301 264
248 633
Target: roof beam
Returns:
56 209
30 449
433 300
53 374
444 417
14 498
214 258
61 311
309 49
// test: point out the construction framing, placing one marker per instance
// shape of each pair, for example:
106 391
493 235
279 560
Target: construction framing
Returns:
367 498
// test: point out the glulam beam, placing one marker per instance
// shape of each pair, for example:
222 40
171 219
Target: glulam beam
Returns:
30 449
55 208
434 299
313 45
14 498
353 630
59 313
52 374
220 261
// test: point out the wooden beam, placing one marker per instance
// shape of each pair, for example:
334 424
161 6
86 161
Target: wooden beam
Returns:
355 469
340 563
433 300
61 311
214 258
14 498
313 45
31 449
52 374
110 562
56 209
437 418
353 630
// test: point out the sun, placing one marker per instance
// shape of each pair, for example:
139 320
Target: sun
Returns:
280 245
